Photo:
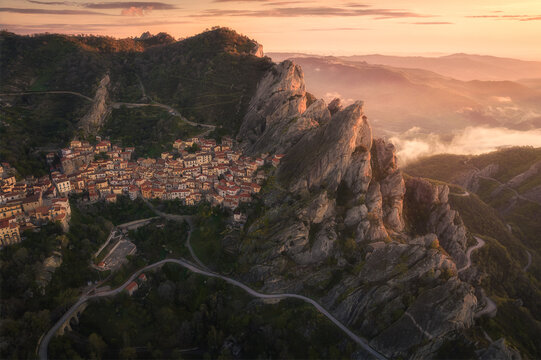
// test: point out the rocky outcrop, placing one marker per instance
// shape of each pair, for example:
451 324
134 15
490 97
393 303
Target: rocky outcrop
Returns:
431 213
326 156
435 313
48 268
279 102
393 188
470 179
257 50
499 350
99 110
333 222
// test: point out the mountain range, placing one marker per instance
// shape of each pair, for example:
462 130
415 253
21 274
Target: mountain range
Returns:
401 96
412 261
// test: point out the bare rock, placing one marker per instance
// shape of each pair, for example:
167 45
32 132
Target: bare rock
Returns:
335 106
99 110
323 158
279 101
499 350
436 216
435 313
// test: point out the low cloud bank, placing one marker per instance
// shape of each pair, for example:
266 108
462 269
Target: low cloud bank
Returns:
413 144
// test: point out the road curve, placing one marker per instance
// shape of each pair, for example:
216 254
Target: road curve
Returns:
480 244
175 217
193 268
490 307
464 194
490 304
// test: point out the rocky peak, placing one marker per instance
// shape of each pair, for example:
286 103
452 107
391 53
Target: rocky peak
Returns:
335 106
338 204
330 154
278 103
431 213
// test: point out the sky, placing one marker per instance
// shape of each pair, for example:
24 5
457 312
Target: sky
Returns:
339 27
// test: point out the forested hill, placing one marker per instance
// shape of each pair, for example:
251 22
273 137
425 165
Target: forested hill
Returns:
208 78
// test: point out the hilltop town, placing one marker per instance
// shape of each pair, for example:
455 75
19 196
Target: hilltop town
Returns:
195 170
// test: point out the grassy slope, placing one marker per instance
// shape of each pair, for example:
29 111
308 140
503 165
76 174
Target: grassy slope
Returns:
151 130
524 216
209 78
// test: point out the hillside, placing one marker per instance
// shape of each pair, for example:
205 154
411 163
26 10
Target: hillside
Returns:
209 78
509 180
506 209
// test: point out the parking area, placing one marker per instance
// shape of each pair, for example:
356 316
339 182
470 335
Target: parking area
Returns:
117 256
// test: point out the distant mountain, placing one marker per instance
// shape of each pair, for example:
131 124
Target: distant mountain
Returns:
458 66
400 98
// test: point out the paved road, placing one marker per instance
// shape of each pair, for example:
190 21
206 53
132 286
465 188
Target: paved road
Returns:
506 186
193 268
464 194
189 220
117 105
171 110
480 244
491 306
48 92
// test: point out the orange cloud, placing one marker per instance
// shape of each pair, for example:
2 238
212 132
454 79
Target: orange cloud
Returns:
136 11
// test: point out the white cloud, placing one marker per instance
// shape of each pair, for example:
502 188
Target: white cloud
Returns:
503 99
412 145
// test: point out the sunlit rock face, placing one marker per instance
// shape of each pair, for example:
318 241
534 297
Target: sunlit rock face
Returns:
99 110
337 207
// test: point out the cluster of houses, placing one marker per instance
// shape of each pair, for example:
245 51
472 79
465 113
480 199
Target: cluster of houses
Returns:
194 170
28 204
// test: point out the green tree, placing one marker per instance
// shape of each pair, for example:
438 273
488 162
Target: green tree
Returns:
97 344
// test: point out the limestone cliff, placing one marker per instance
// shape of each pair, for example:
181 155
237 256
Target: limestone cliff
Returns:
95 117
333 223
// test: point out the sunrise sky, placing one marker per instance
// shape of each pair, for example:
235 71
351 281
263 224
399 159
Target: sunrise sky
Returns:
397 27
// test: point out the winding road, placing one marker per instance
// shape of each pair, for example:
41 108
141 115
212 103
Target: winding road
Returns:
480 244
491 306
501 184
44 344
117 105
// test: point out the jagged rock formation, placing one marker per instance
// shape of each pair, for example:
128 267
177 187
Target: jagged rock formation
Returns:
97 114
336 206
274 120
431 213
